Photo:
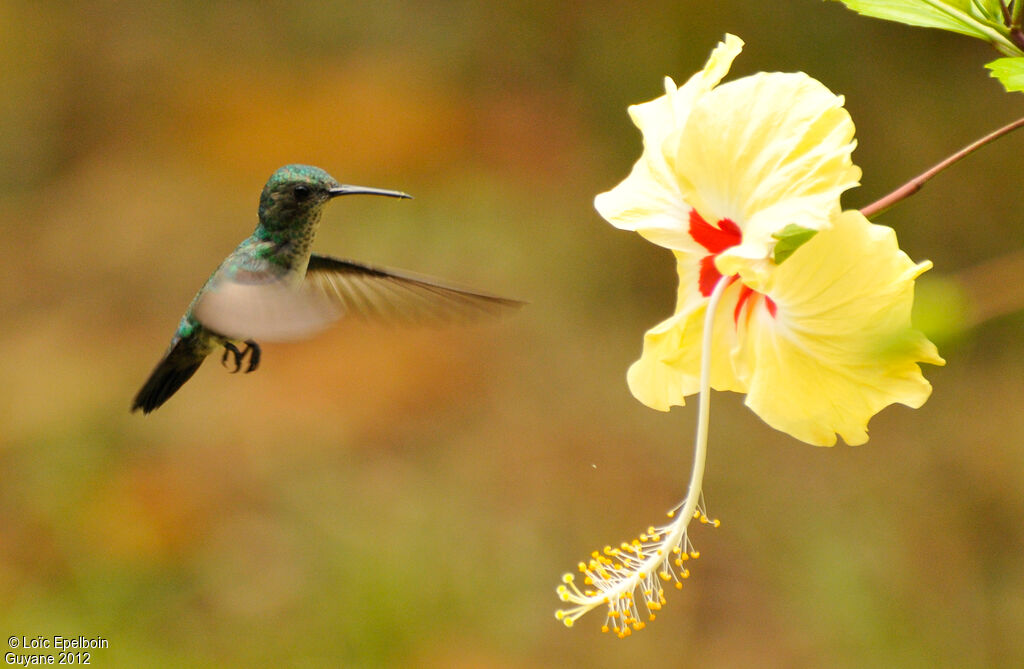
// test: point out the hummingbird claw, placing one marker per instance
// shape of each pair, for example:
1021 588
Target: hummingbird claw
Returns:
252 349
231 349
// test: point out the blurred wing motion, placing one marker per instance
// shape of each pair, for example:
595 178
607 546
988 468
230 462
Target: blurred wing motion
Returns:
387 295
263 307
270 310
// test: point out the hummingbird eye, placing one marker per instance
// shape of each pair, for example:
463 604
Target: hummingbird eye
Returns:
301 193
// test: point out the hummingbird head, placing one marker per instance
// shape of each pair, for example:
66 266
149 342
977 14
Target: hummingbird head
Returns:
297 194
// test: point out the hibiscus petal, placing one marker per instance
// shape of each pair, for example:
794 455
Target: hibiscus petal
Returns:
840 346
648 201
766 151
714 70
661 117
669 367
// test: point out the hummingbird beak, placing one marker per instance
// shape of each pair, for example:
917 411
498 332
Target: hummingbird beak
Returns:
362 190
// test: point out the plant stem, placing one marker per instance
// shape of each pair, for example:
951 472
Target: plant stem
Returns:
915 184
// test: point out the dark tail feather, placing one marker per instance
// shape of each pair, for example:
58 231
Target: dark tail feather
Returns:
176 367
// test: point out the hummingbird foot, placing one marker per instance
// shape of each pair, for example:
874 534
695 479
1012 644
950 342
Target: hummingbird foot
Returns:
252 349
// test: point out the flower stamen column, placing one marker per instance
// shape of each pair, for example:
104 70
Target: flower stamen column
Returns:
613 575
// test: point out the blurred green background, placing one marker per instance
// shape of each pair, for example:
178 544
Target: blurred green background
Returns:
411 498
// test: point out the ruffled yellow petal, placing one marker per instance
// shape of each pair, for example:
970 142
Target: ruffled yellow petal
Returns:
766 151
669 367
840 346
648 200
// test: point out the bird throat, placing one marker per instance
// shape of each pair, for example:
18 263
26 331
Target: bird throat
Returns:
290 241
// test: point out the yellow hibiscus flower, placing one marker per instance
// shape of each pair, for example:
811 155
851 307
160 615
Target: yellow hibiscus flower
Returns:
727 172
782 295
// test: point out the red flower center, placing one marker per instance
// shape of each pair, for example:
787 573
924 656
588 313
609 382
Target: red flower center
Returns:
717 239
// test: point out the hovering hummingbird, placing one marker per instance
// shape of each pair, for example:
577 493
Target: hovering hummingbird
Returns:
273 288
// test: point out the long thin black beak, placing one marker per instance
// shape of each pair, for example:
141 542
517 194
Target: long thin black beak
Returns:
345 189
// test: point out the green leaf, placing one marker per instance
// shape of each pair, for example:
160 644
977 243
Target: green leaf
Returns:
989 10
1009 71
790 238
967 17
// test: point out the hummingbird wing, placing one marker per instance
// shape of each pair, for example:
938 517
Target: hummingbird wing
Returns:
267 306
396 296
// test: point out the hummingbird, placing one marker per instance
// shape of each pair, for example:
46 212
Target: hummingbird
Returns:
273 288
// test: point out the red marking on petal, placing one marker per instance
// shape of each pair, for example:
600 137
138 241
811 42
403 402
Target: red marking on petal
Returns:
745 293
744 299
709 275
715 240
729 226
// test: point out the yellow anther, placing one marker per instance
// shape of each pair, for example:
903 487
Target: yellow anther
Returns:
617 574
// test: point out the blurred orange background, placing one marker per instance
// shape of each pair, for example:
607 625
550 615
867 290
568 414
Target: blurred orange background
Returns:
395 498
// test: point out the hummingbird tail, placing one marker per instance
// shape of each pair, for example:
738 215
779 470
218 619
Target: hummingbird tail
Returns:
176 367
